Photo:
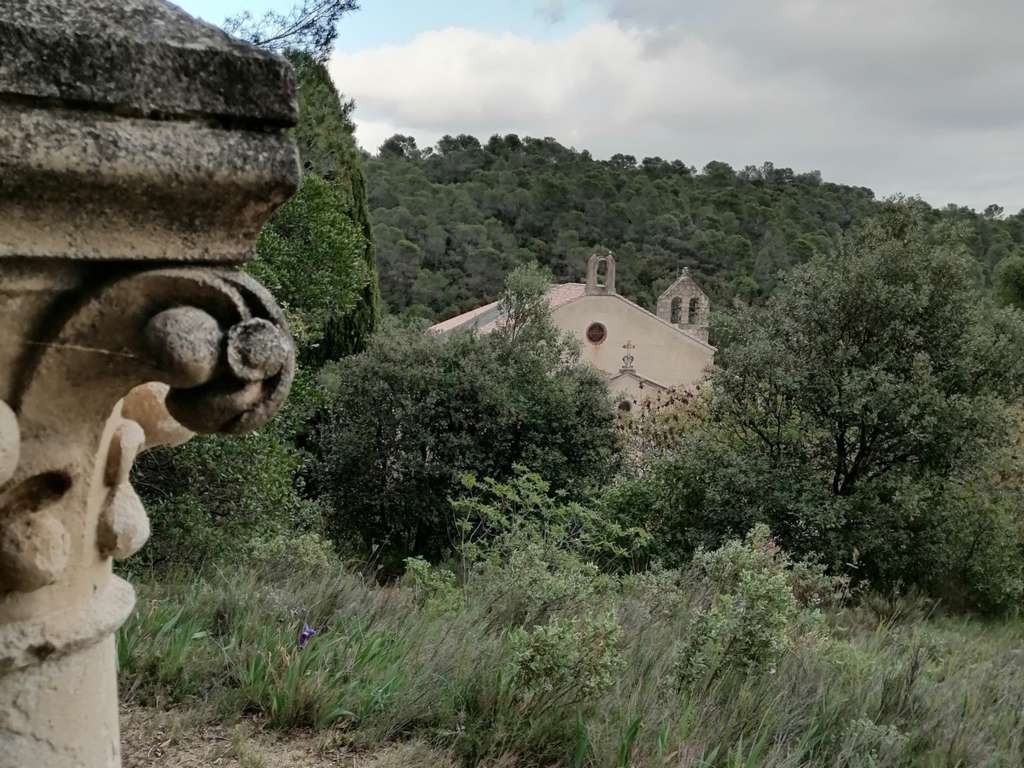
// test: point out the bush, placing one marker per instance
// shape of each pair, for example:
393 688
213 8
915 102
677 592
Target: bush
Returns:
303 552
220 500
412 414
566 662
749 616
849 414
431 585
532 555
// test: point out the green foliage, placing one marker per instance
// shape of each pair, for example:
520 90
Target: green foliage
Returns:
749 616
291 549
524 306
218 499
531 554
496 517
441 407
313 234
454 219
324 230
876 358
849 412
327 147
588 688
566 662
1009 281
325 133
431 585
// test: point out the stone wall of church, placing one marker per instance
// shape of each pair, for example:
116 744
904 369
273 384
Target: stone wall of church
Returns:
685 305
660 352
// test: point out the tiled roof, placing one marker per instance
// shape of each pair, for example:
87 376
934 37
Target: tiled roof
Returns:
488 317
464 319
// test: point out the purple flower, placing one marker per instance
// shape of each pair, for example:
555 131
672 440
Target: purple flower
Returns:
306 633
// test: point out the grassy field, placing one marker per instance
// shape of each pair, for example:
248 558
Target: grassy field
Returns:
891 682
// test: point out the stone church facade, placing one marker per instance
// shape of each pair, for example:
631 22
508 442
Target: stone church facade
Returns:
642 354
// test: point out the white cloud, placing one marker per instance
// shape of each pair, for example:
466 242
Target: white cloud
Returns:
920 96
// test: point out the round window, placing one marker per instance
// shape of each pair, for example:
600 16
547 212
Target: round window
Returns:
596 333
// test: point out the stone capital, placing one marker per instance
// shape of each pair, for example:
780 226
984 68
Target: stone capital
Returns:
140 153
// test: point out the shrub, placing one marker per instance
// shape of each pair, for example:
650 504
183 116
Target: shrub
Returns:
531 554
431 585
303 552
219 500
867 744
749 616
566 662
849 412
414 412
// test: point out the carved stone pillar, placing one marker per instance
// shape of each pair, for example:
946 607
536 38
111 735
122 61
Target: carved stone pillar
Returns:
140 153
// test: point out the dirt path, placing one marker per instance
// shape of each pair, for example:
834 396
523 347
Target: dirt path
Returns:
181 739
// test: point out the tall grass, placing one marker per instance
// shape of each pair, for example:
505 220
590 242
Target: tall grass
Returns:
887 687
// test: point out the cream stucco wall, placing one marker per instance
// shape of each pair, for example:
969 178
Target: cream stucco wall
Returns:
662 352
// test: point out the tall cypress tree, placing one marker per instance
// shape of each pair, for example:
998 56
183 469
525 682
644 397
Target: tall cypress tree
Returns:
328 150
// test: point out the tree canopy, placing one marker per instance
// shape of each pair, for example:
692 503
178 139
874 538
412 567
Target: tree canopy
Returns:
415 411
452 220
862 413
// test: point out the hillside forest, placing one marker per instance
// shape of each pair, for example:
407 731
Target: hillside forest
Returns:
452 220
456 551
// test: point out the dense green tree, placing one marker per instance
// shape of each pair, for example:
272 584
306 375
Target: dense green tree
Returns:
415 411
880 355
1009 281
325 133
859 413
220 499
324 230
312 234
538 200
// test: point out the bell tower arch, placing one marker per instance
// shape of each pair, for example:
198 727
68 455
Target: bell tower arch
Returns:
686 306
601 274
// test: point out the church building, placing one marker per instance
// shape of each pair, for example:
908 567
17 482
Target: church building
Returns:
642 354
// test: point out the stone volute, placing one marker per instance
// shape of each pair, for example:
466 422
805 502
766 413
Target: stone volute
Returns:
140 153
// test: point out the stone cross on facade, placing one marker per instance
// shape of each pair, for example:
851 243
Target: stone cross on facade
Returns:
628 359
140 153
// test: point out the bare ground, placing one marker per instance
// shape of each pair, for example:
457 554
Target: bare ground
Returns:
184 739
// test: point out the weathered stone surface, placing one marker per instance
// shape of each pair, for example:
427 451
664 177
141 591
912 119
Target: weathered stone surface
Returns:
123 524
135 188
125 445
129 130
138 57
186 343
131 137
146 407
33 551
52 635
10 442
258 350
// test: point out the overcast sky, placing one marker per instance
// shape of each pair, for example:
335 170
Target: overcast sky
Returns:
914 96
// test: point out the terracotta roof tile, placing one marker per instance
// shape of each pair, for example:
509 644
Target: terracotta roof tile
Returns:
486 318
454 322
